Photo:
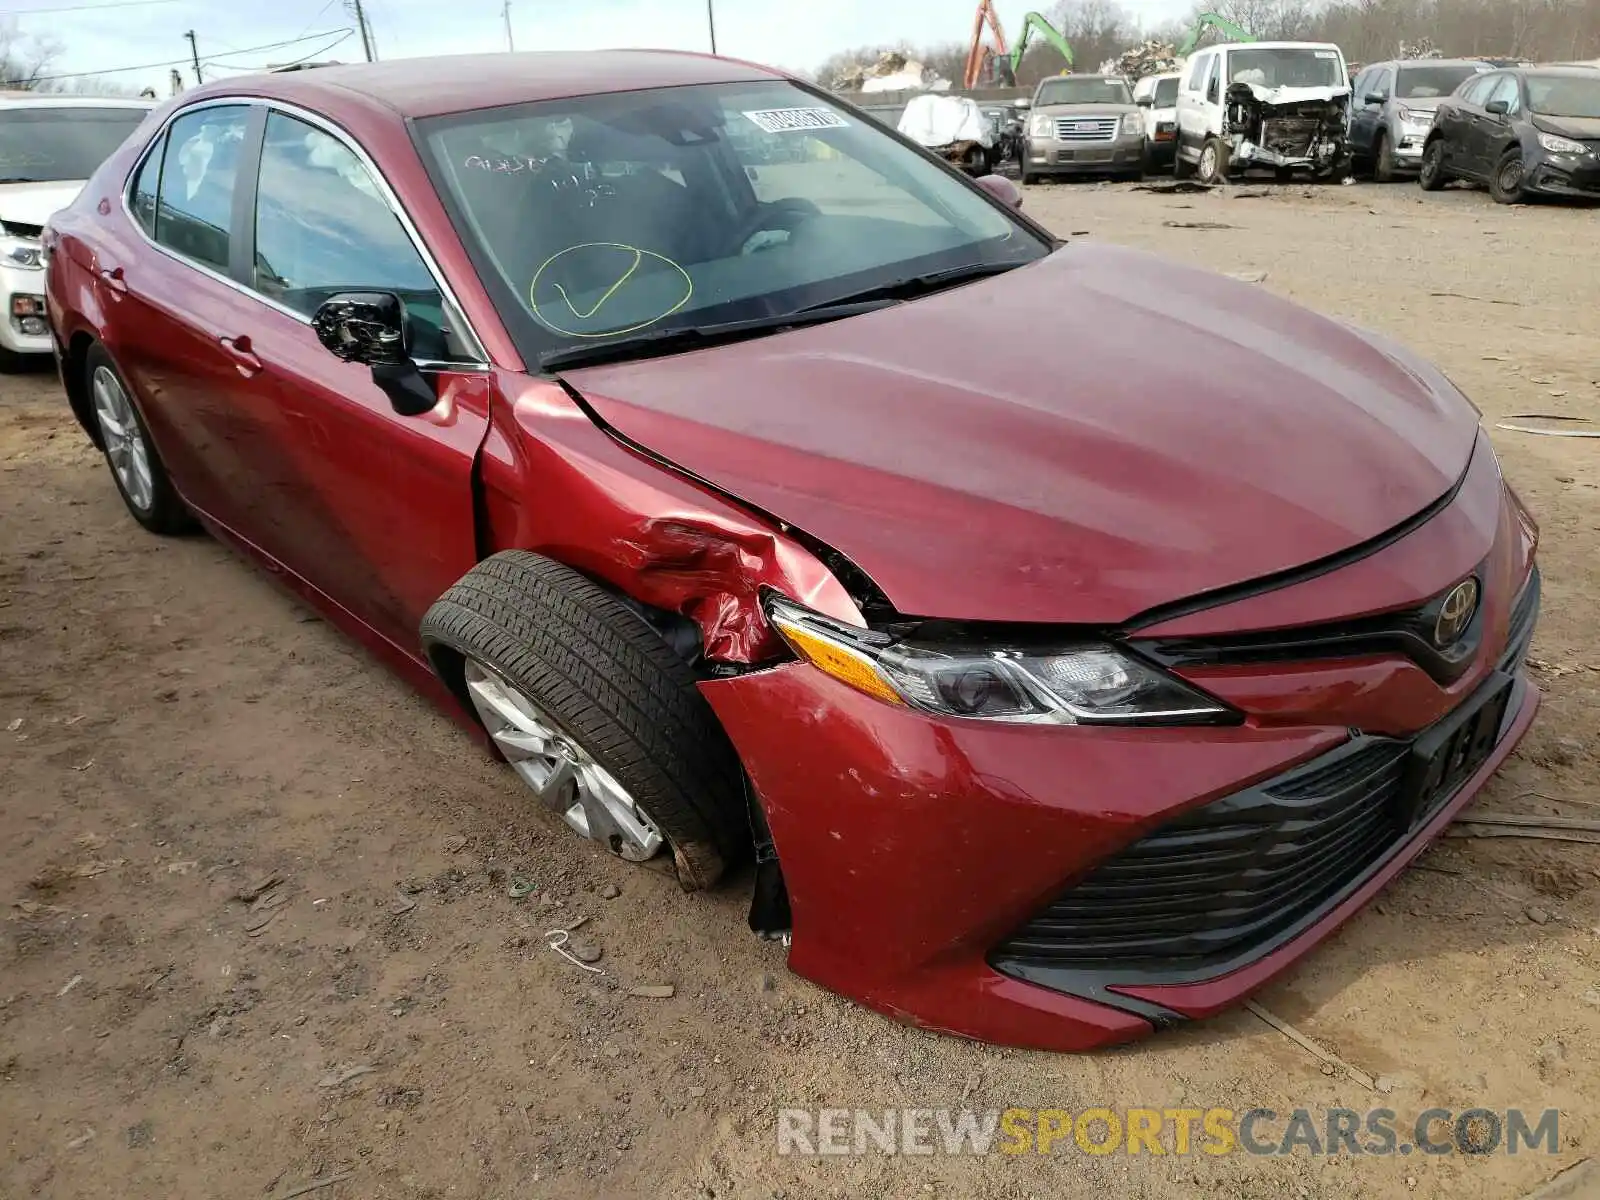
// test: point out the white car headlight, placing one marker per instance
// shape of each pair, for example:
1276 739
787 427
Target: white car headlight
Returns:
21 252
1042 127
1090 683
1561 145
1133 125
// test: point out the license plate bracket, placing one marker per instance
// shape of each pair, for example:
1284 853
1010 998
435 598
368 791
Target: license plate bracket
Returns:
1445 756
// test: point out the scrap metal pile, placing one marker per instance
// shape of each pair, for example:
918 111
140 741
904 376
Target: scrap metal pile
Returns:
1149 58
892 72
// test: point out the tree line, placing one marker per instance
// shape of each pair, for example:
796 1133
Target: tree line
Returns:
1367 30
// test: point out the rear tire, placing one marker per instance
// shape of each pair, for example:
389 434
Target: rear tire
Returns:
1383 165
612 695
1213 165
136 467
1505 185
1433 175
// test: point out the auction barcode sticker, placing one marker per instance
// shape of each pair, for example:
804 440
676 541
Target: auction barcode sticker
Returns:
794 120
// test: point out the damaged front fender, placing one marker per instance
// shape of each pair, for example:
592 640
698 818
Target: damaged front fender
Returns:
554 482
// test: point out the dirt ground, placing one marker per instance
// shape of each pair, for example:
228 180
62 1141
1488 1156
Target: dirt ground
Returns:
175 728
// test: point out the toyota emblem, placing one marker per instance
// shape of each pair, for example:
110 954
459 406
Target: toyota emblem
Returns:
1455 613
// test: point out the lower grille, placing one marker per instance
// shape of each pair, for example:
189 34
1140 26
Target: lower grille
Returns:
1231 874
1086 129
1290 136
1227 882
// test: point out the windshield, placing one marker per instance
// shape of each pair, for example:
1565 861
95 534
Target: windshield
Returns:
56 145
1166 94
1296 67
635 213
1565 95
1083 89
1429 83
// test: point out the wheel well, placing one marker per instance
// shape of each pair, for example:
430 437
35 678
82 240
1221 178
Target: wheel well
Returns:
77 388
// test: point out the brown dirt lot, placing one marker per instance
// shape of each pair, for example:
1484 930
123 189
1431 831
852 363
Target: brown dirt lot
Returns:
186 728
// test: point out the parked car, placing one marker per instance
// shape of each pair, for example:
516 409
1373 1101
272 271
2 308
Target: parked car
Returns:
1279 105
1158 96
1009 140
1083 124
1392 110
1521 132
48 146
706 504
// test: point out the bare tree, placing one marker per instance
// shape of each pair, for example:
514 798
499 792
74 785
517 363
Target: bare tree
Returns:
24 58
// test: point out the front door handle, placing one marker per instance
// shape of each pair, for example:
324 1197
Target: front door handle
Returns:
114 280
238 349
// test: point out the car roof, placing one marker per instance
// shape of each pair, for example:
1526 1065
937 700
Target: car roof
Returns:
1273 46
1434 62
37 100
1578 72
426 87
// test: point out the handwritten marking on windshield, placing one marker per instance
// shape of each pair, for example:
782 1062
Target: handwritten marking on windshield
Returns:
638 258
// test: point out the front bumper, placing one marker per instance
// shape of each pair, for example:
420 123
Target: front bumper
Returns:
1566 175
1047 156
929 862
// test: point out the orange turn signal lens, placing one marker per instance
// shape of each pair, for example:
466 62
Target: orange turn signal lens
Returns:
848 666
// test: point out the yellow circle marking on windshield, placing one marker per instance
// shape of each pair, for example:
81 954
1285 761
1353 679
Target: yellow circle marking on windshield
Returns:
639 256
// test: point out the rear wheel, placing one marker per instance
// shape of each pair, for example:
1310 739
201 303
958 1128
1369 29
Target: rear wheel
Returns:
1213 164
136 468
1432 175
1505 185
593 711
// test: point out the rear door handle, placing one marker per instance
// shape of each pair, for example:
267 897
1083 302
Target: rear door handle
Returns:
114 279
238 349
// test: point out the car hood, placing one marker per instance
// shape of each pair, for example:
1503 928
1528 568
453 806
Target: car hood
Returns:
1583 128
34 203
1012 450
1086 111
1296 95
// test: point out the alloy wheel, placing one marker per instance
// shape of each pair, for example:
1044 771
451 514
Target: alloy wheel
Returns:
1511 175
561 773
123 439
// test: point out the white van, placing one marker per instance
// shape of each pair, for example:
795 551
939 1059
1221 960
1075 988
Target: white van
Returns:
1279 105
1158 94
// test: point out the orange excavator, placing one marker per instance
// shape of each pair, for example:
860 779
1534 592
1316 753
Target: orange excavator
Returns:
999 63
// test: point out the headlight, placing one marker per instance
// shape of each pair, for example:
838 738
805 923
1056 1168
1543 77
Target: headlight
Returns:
1042 127
1085 684
21 252
1133 125
1560 145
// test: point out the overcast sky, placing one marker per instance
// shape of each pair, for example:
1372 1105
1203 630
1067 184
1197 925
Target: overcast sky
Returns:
782 32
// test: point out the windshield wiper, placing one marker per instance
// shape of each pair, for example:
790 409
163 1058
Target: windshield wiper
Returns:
921 285
695 337
20 179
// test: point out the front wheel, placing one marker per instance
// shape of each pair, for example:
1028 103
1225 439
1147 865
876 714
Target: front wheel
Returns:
1213 165
593 711
1431 177
1383 164
1181 168
1505 185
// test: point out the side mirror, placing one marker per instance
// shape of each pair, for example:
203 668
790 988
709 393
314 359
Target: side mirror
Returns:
1377 98
1146 101
371 328
1498 107
1024 104
1001 188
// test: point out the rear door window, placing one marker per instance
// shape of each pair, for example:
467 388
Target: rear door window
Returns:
194 215
146 186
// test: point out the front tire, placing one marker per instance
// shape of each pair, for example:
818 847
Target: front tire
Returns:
594 711
1383 164
1505 185
136 467
1432 176
1213 165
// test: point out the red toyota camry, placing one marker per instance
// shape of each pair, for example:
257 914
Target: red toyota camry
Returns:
762 489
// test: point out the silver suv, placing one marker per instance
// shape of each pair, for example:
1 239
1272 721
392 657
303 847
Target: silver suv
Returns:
1392 107
1083 123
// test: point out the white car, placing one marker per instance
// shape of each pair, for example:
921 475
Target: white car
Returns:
1284 106
1158 96
49 146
